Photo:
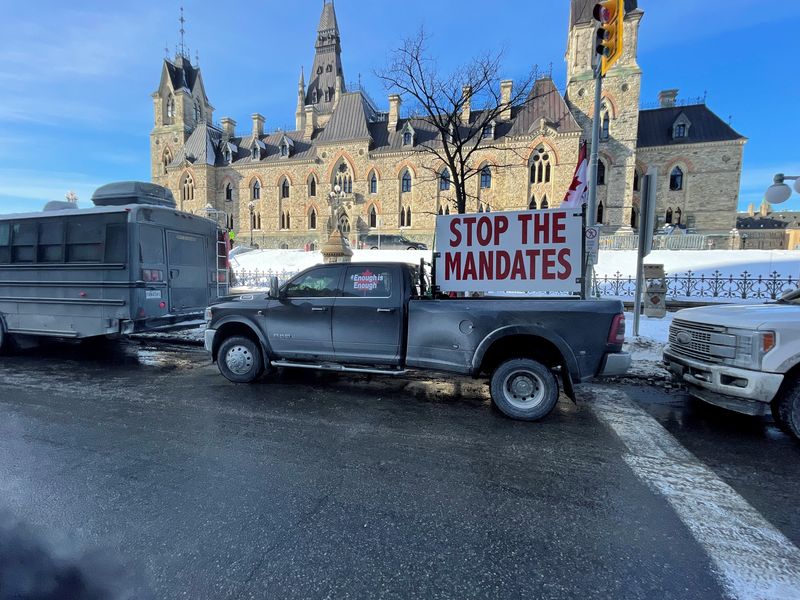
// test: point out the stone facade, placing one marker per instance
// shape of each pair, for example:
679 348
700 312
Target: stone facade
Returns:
345 164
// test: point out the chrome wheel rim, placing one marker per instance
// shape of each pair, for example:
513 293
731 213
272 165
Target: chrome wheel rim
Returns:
523 389
239 360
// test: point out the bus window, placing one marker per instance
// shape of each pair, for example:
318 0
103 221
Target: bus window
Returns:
85 237
51 241
23 240
116 242
151 245
5 242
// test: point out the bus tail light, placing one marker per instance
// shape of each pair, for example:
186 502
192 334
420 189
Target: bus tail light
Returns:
617 333
152 275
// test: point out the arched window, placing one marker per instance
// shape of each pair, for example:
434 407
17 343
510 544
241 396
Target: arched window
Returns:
187 189
405 181
636 181
312 218
343 178
447 210
486 178
255 192
373 216
678 216
601 172
314 96
604 130
668 217
441 210
444 180
408 138
676 179
599 212
634 218
532 204
312 186
285 220
408 217
545 204
541 170
255 220
373 183
228 192
285 188
166 159
170 106
402 217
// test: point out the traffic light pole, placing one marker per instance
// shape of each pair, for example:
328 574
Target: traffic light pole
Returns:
591 213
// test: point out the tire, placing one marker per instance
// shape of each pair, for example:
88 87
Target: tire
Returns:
3 337
240 359
374 248
411 248
524 389
786 409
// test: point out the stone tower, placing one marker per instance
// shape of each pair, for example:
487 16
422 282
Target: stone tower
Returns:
326 80
620 108
180 104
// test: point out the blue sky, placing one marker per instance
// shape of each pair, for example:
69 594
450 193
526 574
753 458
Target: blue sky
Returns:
76 77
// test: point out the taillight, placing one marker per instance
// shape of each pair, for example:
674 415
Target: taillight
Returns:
617 333
152 275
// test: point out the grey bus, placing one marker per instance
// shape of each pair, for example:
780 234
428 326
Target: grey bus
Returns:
133 263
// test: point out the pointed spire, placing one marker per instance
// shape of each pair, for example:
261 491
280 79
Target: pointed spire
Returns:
182 31
302 83
327 22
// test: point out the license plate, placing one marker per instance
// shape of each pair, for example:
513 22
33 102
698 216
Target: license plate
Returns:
152 294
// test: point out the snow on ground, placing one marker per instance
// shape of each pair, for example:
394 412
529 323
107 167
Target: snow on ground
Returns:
704 262
646 348
676 262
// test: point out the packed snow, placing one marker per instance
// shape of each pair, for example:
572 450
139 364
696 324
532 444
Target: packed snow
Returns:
646 349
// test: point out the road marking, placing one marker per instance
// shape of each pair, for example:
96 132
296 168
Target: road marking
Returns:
752 559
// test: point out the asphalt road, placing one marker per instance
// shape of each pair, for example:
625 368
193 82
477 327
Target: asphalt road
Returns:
329 486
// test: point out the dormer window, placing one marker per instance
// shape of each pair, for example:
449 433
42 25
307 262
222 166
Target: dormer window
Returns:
314 96
488 131
328 69
408 135
285 147
284 150
681 126
254 154
227 155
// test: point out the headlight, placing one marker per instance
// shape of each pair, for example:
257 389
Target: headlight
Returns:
751 346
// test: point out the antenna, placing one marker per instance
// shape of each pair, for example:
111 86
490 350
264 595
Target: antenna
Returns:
196 58
182 31
166 50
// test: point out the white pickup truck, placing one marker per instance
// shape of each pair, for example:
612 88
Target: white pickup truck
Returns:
744 358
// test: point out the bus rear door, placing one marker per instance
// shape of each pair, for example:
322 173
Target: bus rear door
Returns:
188 271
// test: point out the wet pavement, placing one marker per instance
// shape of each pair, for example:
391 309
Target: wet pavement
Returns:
314 485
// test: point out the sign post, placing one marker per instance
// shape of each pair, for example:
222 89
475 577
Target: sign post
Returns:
647 217
525 251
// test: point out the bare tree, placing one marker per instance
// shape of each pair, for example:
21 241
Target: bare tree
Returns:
443 101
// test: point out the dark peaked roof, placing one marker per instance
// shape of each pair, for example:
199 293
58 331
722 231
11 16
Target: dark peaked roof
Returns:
181 73
655 126
544 101
328 18
350 119
581 10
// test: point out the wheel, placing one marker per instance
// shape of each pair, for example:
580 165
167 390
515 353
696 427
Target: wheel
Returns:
524 389
786 409
411 248
374 248
2 337
240 359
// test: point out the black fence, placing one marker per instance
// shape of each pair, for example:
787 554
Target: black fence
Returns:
685 286
704 287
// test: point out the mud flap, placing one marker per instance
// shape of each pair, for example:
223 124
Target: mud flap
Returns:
569 387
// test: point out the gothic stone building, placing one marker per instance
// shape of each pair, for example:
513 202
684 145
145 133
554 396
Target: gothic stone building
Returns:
350 165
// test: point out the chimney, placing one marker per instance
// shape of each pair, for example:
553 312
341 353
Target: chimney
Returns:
764 209
311 121
667 98
751 210
506 86
394 112
228 128
466 109
258 124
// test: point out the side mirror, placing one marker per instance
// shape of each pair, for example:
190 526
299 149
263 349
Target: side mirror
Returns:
274 291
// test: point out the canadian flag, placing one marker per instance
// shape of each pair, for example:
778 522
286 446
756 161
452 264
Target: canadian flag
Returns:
576 195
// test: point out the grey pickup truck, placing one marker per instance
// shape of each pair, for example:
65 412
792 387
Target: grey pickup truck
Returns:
375 318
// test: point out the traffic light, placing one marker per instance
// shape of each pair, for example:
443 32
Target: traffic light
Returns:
610 15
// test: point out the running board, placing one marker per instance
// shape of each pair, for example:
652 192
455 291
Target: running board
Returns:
337 368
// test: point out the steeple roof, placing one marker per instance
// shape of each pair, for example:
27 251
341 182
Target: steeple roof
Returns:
327 62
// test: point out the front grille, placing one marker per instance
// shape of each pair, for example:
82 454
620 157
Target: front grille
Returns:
706 343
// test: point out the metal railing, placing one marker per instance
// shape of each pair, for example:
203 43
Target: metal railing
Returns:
664 242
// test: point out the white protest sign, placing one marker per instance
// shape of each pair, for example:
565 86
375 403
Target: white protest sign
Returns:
525 251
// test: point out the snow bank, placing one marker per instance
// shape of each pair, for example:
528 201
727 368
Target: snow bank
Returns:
297 260
646 349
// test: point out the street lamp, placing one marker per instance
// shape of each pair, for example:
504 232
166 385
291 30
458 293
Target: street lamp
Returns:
251 207
779 191
744 241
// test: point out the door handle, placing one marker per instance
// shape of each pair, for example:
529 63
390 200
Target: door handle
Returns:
386 310
318 309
